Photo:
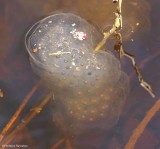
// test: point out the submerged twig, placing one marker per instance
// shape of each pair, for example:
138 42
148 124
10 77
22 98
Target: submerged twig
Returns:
61 124
146 60
61 142
18 112
119 49
69 143
58 143
140 128
1 93
117 26
59 53
33 112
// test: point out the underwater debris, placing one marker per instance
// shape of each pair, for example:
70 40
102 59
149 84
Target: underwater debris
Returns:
35 50
1 93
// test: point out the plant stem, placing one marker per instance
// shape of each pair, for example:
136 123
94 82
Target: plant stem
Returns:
18 112
33 112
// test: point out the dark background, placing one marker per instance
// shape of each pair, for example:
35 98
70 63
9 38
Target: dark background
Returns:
17 78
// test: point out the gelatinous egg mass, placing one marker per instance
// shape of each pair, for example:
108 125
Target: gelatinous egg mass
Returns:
88 87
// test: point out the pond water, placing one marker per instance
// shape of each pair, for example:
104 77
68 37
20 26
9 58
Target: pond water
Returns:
141 38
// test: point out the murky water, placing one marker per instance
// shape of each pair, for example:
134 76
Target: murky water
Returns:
141 38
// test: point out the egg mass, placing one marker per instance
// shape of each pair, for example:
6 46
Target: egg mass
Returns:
89 88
